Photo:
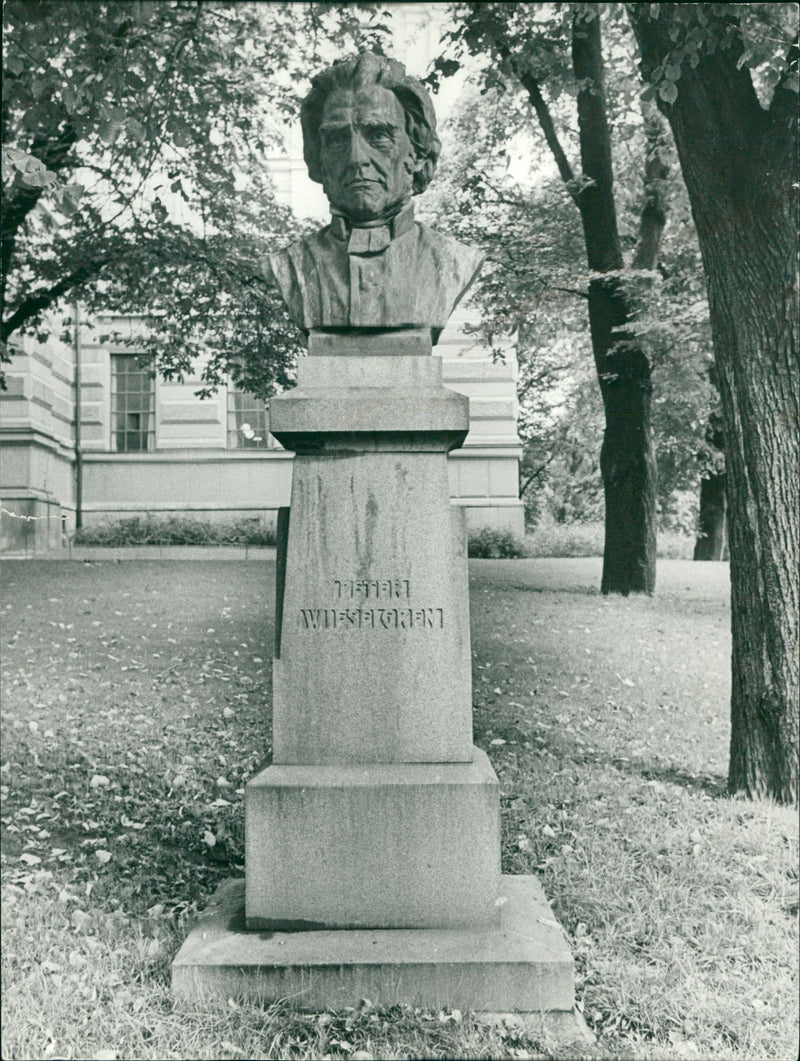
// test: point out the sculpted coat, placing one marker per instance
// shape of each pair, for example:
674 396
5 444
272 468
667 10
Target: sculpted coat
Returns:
395 275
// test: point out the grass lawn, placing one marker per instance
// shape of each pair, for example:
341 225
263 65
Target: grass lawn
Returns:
135 707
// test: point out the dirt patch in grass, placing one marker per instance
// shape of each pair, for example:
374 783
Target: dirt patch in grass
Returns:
136 704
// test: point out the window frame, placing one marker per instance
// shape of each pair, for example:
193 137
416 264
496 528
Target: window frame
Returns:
123 404
253 407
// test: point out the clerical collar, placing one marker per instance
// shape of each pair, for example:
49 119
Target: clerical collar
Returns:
372 238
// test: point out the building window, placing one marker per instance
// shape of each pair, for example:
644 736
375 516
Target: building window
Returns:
247 421
132 404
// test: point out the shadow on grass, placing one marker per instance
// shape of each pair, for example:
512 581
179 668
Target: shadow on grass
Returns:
712 784
568 752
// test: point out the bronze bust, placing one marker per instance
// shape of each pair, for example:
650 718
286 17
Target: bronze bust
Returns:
369 137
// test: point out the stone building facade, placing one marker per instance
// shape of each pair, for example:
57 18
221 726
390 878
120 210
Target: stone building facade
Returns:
147 445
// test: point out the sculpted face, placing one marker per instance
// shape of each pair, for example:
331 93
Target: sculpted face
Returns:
367 159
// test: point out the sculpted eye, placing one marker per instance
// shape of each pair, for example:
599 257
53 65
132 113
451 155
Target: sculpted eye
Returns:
334 137
379 137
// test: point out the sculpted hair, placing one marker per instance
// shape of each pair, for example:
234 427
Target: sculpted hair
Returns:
361 71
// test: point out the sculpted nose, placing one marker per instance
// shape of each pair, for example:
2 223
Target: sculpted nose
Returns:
358 151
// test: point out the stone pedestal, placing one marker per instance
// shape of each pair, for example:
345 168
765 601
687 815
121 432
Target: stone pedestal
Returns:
377 810
372 842
381 846
373 660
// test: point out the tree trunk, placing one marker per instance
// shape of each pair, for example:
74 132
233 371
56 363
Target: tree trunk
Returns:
739 161
761 410
627 458
710 544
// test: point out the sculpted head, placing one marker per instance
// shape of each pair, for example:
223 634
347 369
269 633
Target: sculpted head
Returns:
369 136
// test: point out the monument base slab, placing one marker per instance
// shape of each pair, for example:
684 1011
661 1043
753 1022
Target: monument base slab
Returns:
522 964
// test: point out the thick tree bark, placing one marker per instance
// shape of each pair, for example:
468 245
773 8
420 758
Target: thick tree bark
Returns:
710 544
739 162
627 458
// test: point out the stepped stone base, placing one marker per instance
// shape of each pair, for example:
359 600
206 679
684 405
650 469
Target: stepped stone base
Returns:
400 845
522 964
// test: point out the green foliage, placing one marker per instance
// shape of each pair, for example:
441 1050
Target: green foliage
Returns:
536 283
552 539
561 540
761 34
488 543
135 141
175 530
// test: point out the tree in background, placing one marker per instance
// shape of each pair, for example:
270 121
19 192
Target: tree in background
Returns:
548 52
135 145
712 520
536 284
726 79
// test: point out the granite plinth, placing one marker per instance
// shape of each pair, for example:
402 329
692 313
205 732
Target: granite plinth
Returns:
368 370
370 402
521 964
392 342
385 845
425 419
374 657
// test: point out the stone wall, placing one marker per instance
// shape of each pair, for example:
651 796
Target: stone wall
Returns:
37 491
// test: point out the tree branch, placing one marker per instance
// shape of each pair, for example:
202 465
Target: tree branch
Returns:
596 202
539 104
46 297
570 291
783 107
52 152
717 108
531 84
536 473
654 212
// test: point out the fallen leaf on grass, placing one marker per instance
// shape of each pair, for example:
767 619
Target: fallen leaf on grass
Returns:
103 856
80 920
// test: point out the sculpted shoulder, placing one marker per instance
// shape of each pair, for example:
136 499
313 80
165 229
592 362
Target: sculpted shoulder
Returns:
278 264
461 263
309 274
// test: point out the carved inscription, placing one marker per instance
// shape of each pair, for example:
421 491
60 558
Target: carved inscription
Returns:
359 617
372 589
371 618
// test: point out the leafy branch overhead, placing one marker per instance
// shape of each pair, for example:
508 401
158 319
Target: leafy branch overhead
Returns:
136 139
